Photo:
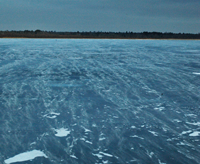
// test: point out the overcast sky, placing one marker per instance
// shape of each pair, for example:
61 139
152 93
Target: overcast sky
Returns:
101 15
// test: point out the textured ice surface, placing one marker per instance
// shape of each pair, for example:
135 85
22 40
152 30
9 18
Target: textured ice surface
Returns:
100 101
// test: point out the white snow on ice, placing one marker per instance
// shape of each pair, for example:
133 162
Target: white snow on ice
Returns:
62 132
51 115
83 139
106 154
159 108
185 132
181 143
135 136
191 115
73 156
105 162
196 73
101 139
195 134
33 143
161 162
86 130
154 133
177 120
194 123
150 154
98 155
133 127
26 156
88 142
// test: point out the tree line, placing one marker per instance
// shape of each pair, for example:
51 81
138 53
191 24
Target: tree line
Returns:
110 35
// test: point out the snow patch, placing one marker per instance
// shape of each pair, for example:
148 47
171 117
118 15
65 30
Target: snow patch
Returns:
88 142
83 139
73 156
101 139
185 132
181 143
160 108
161 162
62 132
177 120
195 123
150 154
196 73
33 143
190 115
26 156
106 154
98 155
86 130
154 133
51 115
195 134
135 136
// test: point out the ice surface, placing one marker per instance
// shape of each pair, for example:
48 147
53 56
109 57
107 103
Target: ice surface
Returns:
26 156
102 101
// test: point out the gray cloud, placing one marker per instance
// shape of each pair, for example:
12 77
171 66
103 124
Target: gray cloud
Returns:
101 15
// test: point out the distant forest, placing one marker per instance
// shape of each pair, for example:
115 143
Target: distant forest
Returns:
106 35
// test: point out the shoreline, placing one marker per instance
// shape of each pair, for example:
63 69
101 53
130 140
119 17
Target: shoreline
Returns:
38 34
96 38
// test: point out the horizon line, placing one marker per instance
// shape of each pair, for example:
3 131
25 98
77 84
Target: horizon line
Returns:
98 31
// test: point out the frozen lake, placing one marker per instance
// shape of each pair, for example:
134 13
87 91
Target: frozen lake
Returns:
99 101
